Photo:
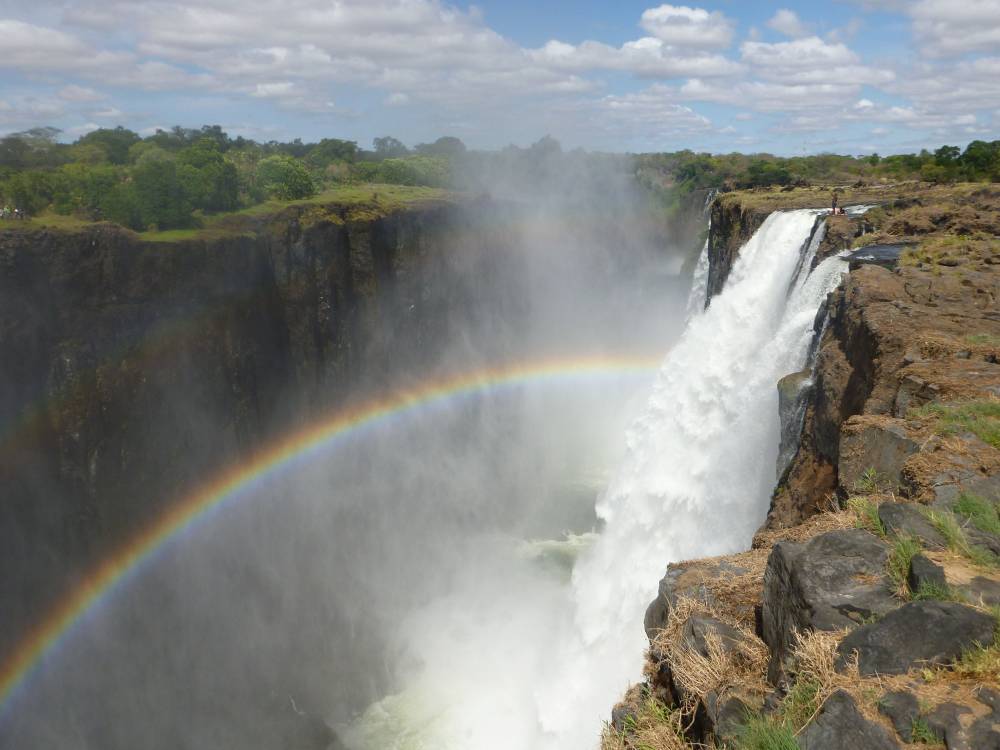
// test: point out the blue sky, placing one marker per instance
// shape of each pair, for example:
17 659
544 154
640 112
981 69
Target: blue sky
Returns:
849 76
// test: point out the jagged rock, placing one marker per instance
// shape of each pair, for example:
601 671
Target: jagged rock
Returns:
725 716
868 443
907 519
945 722
983 735
698 627
833 581
982 539
841 726
684 579
621 716
901 708
924 572
984 589
916 634
965 477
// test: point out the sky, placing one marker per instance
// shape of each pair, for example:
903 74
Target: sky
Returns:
790 78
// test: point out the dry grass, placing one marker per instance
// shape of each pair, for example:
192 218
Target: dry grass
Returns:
741 667
812 527
651 726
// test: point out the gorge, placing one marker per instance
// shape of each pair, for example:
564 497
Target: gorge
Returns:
431 571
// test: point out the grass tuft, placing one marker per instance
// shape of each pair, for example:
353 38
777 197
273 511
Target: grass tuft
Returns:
948 526
761 733
982 339
980 512
802 702
866 511
981 417
922 733
930 591
904 549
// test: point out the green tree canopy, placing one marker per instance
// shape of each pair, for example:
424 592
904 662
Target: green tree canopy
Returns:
116 142
285 178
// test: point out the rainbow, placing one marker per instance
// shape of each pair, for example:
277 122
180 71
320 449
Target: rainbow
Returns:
240 480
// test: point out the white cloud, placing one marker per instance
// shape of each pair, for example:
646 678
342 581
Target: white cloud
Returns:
946 27
25 46
647 57
74 93
787 22
681 26
397 99
811 60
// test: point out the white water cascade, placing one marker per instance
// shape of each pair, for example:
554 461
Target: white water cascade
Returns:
537 665
698 471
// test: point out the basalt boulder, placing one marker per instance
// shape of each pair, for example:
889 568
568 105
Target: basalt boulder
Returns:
835 580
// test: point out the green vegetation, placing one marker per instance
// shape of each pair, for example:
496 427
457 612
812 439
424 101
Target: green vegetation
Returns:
868 483
922 734
980 512
762 733
802 702
904 549
178 180
684 171
174 179
980 417
948 526
930 591
866 510
983 339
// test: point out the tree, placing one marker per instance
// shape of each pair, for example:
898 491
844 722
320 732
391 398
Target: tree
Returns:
330 150
981 159
211 179
388 147
284 178
161 196
946 155
116 142
447 146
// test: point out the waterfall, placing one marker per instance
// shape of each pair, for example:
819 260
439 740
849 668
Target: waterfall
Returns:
514 661
698 471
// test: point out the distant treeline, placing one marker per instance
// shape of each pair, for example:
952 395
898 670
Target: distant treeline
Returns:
171 178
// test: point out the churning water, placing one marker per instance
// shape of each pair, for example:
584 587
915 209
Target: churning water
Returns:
519 657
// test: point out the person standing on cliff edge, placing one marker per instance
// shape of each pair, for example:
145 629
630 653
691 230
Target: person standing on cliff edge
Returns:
834 209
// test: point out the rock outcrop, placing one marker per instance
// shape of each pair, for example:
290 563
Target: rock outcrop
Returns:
873 584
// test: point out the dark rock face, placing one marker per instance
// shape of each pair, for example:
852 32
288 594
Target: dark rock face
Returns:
874 364
725 716
698 628
924 633
732 225
906 519
923 573
833 581
945 721
684 579
902 709
882 445
841 726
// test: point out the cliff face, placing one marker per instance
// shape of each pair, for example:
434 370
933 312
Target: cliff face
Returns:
131 369
732 224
